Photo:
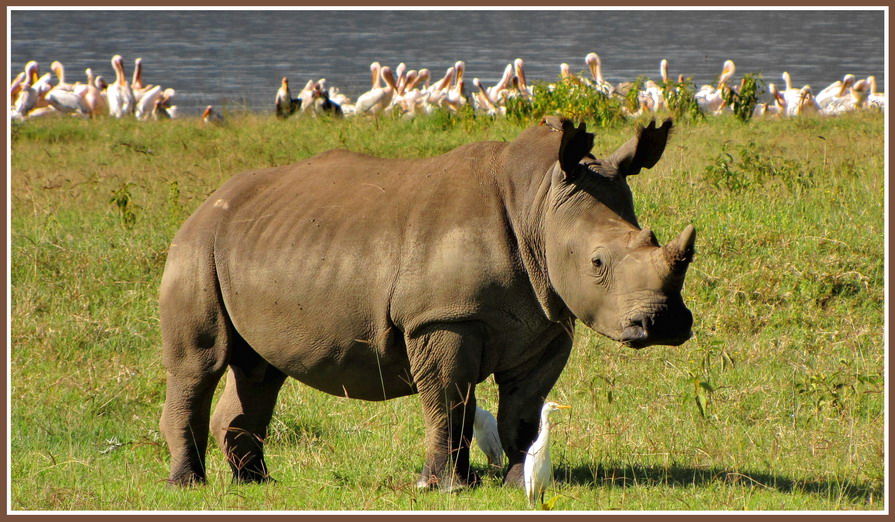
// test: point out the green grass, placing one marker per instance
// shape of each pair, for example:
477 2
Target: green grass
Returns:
777 403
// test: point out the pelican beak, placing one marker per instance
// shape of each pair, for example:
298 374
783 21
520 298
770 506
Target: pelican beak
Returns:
593 69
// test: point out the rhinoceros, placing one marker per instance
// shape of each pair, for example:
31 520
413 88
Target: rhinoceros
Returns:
375 278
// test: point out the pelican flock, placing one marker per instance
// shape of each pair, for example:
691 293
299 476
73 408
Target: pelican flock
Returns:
32 95
416 91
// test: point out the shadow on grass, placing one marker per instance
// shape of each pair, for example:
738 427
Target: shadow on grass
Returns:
681 476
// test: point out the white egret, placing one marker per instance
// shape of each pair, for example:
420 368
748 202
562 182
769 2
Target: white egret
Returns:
484 429
537 471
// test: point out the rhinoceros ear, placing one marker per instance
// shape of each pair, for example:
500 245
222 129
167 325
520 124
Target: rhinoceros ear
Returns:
575 145
643 150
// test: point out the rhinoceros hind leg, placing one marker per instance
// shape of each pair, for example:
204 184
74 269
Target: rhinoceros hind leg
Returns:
196 337
241 417
445 363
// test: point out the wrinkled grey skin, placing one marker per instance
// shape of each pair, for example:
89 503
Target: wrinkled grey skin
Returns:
376 278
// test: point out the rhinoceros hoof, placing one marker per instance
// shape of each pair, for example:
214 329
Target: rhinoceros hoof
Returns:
449 484
514 478
253 478
186 480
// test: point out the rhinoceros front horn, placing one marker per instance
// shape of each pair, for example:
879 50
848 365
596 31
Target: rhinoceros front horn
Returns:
679 252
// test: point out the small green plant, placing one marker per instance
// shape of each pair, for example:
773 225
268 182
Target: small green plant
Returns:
632 97
574 101
680 98
834 390
122 200
755 168
744 99
712 360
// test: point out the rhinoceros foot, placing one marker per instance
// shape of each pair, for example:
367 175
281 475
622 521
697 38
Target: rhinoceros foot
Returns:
186 480
449 484
514 477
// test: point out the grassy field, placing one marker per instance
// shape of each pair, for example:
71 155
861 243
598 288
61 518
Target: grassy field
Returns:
777 403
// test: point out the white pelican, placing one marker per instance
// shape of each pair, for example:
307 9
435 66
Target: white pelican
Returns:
519 67
137 85
481 100
789 92
120 96
163 108
438 90
306 97
595 65
857 101
284 105
711 99
835 90
876 100
536 470
484 430
407 80
338 97
456 96
67 102
43 86
400 78
26 99
15 86
807 104
32 71
778 108
93 98
423 77
565 72
61 84
651 97
404 94
146 103
501 86
375 68
376 100
414 78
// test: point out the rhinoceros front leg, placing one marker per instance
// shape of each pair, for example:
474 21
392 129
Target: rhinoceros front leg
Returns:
444 361
521 394
240 420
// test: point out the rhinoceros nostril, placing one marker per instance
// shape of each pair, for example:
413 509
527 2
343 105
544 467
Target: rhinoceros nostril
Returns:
634 331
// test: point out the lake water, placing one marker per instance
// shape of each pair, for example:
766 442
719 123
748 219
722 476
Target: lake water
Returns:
236 58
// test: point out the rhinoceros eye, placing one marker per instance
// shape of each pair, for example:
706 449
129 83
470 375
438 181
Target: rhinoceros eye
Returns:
600 261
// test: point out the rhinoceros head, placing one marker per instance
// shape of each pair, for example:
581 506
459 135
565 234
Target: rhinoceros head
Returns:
611 274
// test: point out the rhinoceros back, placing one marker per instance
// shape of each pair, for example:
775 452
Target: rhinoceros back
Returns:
325 264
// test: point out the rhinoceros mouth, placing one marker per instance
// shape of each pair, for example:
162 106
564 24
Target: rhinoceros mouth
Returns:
634 336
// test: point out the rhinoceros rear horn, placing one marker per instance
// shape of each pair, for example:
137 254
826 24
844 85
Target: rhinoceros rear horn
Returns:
643 150
679 252
575 144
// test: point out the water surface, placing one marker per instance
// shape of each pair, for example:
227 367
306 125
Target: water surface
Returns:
236 58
